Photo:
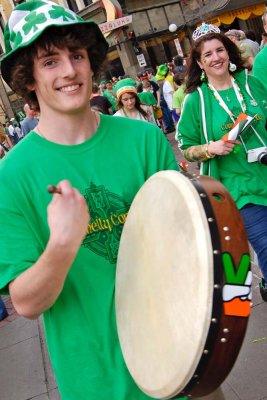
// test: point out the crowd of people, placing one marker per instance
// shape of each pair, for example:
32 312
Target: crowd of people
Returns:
58 255
15 129
152 95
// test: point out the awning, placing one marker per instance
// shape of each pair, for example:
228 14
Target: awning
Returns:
225 11
243 13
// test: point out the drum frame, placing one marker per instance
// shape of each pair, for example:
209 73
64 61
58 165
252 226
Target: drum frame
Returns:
226 333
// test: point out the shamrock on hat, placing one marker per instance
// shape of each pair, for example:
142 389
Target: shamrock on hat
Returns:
162 72
125 86
29 20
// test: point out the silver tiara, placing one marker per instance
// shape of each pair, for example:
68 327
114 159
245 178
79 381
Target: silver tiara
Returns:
204 29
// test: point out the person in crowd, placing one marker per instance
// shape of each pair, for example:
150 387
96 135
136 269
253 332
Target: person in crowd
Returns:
102 87
143 76
30 121
5 142
151 75
147 97
98 102
129 105
17 130
247 52
250 39
11 131
179 94
110 95
166 93
59 251
219 91
114 80
260 63
263 41
3 310
179 66
169 76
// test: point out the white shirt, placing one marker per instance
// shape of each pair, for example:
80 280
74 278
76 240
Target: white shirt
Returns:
167 93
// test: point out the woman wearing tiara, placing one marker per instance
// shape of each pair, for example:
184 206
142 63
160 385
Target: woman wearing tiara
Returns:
219 92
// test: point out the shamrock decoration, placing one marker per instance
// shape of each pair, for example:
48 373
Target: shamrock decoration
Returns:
18 38
57 12
32 21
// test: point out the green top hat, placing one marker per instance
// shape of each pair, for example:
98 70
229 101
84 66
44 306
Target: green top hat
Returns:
125 86
162 72
29 20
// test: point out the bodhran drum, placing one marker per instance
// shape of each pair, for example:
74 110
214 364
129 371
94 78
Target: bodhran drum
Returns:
183 285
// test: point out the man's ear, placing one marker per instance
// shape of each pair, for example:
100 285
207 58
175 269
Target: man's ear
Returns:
31 87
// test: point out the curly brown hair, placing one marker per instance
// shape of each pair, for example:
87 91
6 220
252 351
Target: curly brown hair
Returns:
71 37
194 70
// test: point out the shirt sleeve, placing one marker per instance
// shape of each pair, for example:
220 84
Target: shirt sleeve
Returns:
189 128
20 247
260 68
259 91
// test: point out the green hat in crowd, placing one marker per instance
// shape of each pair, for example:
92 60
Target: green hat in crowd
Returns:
162 72
125 86
30 19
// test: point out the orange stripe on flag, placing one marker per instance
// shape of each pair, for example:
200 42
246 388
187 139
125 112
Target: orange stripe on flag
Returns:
237 307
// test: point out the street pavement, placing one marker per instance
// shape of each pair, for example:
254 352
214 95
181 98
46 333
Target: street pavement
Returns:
26 373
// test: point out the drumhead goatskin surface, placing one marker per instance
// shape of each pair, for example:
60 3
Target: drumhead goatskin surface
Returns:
164 284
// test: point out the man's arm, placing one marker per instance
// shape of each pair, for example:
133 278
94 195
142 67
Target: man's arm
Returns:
36 289
158 98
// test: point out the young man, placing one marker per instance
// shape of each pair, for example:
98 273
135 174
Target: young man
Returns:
58 252
29 122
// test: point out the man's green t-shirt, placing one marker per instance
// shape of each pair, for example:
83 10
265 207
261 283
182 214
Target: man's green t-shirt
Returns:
108 169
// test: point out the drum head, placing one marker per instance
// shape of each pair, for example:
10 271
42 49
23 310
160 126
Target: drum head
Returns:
164 284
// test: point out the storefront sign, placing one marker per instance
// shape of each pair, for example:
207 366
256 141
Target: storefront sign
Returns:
141 60
178 47
115 24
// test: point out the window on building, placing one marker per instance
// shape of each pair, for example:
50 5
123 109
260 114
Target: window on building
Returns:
72 5
87 2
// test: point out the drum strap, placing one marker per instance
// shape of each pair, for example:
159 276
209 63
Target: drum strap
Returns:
204 126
